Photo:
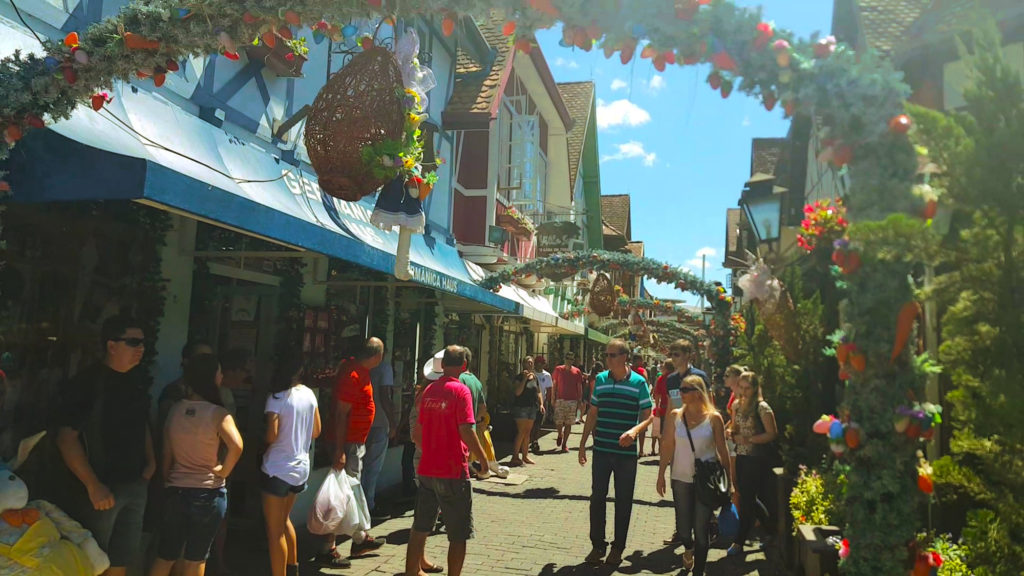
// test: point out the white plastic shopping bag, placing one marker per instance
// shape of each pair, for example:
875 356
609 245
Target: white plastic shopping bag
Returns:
333 500
357 515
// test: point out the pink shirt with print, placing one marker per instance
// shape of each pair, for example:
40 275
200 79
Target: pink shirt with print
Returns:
444 406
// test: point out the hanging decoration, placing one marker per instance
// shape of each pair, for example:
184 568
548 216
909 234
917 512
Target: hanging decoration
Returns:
602 295
824 222
400 202
773 304
682 315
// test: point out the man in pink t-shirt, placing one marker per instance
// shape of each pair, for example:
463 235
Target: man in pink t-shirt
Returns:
444 432
568 393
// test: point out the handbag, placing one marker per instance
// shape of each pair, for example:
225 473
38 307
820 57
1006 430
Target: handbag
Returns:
710 480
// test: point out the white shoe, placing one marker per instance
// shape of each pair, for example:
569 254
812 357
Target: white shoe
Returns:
483 474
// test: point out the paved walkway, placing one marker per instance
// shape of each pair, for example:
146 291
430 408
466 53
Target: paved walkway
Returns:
541 528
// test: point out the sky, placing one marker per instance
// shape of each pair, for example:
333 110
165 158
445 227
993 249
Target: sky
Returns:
674 145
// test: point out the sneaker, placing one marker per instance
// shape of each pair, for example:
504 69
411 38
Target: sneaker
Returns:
614 557
367 546
675 540
535 447
331 560
734 550
595 557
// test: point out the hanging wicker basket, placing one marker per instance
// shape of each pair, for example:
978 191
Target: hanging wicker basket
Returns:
360 106
602 295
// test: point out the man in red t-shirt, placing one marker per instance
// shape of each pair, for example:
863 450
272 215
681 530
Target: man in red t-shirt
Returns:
353 412
568 392
444 432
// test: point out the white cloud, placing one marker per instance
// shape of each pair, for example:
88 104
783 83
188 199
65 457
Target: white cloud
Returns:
619 84
632 149
657 83
746 121
695 263
563 63
620 113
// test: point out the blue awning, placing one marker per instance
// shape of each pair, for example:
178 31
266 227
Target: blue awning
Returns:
144 148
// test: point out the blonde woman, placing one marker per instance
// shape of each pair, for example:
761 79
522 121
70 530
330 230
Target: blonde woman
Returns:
699 420
753 429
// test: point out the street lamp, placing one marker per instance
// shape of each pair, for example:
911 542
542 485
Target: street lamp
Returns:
761 201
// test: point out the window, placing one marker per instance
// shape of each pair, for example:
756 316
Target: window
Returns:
522 176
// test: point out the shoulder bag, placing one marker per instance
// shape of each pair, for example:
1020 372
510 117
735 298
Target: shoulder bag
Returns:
710 479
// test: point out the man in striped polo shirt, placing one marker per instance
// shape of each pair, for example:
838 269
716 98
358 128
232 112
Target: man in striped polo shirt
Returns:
620 409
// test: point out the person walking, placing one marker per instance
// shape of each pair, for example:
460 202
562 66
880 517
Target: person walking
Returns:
195 497
105 440
637 365
568 391
588 387
620 410
292 421
732 382
667 367
753 431
668 397
353 417
697 432
444 431
526 402
482 421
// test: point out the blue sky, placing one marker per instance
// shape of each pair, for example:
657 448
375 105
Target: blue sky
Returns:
674 145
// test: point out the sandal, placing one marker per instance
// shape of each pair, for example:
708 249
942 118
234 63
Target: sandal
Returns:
433 569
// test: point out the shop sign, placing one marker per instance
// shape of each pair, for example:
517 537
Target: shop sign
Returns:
554 237
434 279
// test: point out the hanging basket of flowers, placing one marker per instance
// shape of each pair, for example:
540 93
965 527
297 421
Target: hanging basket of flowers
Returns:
602 295
355 132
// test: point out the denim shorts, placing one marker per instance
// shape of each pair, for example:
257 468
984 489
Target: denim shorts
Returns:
276 487
192 517
524 412
453 497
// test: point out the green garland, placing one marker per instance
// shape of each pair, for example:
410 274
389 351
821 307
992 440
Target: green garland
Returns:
667 308
859 97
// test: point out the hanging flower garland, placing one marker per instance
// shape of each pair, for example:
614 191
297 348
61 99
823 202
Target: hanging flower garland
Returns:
658 307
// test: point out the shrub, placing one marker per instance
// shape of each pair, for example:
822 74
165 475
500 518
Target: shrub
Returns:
817 497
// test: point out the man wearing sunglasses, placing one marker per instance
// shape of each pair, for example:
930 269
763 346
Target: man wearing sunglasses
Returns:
104 438
620 409
669 396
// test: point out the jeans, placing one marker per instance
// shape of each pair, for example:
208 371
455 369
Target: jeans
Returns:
118 531
373 462
623 466
191 520
752 483
692 521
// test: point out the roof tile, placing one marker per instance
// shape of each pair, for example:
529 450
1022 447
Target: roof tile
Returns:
476 93
885 22
615 211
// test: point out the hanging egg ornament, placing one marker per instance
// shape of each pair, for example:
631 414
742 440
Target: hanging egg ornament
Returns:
900 124
764 35
852 436
509 28
71 40
349 30
448 25
715 80
81 56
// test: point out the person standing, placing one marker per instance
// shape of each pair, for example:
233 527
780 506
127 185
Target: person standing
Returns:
526 402
697 431
667 368
105 440
753 430
546 386
293 421
568 391
353 417
481 420
382 431
637 365
588 389
195 497
444 431
620 410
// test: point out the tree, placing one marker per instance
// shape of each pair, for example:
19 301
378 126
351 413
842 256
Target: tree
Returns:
980 485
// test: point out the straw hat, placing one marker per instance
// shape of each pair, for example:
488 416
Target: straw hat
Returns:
432 369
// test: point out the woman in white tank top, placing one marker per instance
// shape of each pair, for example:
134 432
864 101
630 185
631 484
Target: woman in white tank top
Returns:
707 429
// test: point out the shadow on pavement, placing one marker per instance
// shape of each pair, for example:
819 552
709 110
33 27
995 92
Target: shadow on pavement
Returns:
553 494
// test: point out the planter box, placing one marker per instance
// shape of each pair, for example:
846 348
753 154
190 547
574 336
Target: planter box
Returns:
277 58
816 557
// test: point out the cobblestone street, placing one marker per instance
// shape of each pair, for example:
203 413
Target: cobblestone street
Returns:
540 527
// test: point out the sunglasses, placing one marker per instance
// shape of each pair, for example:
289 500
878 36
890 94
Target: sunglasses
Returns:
614 354
130 342
685 389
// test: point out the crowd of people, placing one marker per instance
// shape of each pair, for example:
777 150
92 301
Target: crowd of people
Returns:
114 451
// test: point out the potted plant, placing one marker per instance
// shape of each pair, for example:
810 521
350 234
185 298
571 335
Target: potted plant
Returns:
816 506
283 55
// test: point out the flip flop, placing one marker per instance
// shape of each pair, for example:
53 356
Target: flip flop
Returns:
433 569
